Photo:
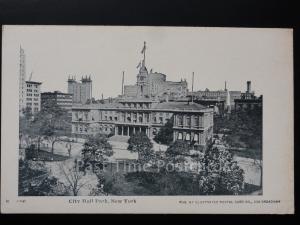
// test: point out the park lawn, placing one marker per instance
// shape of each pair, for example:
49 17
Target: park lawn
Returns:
44 155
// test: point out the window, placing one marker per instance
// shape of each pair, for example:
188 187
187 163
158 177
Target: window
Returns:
188 121
196 138
180 120
160 120
188 137
179 136
196 121
154 131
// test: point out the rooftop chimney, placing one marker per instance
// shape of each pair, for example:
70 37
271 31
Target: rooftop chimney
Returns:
248 86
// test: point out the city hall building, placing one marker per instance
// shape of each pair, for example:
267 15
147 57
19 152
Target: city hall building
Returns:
154 84
191 121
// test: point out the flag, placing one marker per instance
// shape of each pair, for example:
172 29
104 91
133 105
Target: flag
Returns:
139 65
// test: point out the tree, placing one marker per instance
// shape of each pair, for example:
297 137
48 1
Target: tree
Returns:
69 147
165 134
74 177
35 180
221 175
140 143
178 148
49 124
95 150
243 128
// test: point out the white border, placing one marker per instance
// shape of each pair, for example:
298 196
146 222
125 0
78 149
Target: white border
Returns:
278 182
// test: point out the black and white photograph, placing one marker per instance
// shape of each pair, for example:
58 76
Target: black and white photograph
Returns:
144 111
151 134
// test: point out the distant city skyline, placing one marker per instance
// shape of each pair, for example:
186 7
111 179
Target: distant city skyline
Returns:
214 55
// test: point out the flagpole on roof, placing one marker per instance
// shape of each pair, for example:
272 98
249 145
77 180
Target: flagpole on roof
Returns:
145 52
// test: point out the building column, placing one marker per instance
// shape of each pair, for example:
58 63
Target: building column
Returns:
134 130
116 130
140 129
128 131
122 131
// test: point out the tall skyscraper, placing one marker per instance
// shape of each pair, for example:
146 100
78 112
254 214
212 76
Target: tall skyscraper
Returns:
33 96
29 91
22 79
81 91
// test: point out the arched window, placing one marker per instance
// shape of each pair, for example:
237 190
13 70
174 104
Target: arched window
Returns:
196 137
179 136
188 137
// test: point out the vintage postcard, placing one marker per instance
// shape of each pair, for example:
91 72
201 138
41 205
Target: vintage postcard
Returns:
112 119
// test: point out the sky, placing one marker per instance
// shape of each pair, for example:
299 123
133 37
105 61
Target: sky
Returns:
215 55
